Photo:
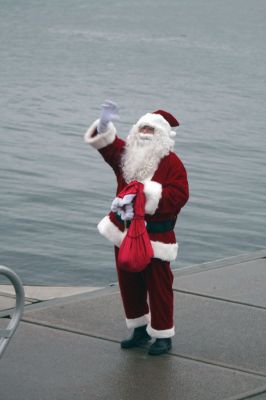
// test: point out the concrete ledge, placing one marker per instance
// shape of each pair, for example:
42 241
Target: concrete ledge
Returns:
242 282
225 262
42 293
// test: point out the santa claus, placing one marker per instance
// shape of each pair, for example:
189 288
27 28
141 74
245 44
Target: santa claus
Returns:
146 156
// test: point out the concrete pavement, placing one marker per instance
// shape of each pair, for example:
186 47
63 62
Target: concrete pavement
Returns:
68 348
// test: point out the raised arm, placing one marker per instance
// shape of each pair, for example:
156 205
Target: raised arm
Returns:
102 135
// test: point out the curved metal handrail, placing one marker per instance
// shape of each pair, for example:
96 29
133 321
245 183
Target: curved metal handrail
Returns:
6 334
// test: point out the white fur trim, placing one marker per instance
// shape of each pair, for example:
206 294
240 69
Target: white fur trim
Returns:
163 251
153 193
167 333
100 140
137 322
110 231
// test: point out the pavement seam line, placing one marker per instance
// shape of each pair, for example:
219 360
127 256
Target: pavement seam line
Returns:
105 338
250 394
219 299
217 264
68 330
222 365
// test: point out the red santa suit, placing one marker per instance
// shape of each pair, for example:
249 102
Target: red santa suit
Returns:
148 295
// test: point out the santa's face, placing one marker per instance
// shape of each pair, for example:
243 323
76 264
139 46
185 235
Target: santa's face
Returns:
145 147
147 130
145 134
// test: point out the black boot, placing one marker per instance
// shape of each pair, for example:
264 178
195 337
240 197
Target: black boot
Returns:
138 338
160 346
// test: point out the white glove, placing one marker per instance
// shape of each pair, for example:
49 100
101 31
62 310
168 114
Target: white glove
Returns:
109 113
126 213
123 206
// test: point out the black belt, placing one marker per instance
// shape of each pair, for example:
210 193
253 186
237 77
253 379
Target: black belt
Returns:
152 226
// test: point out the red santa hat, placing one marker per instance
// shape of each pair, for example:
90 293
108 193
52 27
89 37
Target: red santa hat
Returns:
159 120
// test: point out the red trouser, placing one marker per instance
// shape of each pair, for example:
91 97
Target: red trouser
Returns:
149 292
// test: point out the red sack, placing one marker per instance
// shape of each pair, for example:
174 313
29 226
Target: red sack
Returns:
135 252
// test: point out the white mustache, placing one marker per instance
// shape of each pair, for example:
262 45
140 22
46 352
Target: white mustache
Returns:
146 136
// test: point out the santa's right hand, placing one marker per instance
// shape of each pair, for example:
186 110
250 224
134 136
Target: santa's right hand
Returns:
120 203
127 213
109 113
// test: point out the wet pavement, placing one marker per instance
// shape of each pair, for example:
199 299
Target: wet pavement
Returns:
68 347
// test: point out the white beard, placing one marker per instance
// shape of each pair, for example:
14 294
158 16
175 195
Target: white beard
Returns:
143 153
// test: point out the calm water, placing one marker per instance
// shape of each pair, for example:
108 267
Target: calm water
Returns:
202 60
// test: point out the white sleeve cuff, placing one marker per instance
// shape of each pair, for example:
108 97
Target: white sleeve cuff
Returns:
100 140
153 193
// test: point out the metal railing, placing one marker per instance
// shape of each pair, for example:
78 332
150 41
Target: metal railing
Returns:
7 333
